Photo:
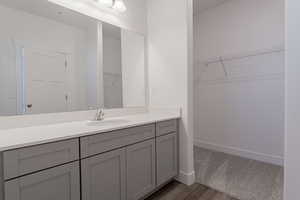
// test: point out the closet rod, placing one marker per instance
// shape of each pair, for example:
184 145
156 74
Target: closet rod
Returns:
260 53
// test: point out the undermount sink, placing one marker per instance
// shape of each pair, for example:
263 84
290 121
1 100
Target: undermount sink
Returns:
107 122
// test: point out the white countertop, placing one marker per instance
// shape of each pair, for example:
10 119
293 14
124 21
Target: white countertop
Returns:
24 137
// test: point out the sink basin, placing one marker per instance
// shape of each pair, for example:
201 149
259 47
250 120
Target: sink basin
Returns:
108 122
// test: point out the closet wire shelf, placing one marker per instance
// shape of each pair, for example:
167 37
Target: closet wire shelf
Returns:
253 66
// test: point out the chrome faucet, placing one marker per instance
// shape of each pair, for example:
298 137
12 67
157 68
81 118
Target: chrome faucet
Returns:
99 114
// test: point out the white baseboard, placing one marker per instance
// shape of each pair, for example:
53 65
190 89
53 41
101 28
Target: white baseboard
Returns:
276 160
186 178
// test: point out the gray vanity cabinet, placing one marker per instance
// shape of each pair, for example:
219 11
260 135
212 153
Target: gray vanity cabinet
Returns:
125 164
59 183
103 176
166 158
140 169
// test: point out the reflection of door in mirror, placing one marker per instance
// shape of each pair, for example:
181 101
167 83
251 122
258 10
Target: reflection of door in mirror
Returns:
112 67
49 35
44 78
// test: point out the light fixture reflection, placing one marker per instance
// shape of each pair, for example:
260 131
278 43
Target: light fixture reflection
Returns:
119 5
107 3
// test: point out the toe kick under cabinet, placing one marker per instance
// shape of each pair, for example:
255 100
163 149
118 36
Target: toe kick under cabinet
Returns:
127 164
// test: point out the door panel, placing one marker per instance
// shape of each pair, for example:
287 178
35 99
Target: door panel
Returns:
59 183
140 169
103 176
45 82
167 158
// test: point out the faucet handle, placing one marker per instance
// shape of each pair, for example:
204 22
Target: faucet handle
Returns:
100 114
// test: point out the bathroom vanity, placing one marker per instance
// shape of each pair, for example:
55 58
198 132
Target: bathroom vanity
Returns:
58 65
121 161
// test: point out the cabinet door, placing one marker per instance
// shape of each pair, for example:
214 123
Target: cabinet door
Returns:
59 183
140 169
103 176
166 158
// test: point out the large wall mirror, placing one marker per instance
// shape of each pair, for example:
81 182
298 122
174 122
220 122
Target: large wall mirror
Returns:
56 60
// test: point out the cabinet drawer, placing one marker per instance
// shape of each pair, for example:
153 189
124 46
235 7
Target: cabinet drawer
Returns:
100 143
31 159
166 127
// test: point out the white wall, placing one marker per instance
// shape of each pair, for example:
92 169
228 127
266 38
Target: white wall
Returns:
37 32
133 69
236 27
241 112
170 67
292 147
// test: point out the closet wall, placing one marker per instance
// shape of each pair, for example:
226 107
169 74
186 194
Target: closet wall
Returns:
239 78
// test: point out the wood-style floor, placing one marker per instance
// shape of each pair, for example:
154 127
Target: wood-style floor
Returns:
177 191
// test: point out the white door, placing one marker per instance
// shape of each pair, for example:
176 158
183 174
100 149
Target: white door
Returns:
45 82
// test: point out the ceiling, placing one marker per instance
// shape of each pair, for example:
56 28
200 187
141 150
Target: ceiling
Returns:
201 5
47 9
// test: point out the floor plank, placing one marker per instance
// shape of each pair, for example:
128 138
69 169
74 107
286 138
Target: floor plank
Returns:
178 191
